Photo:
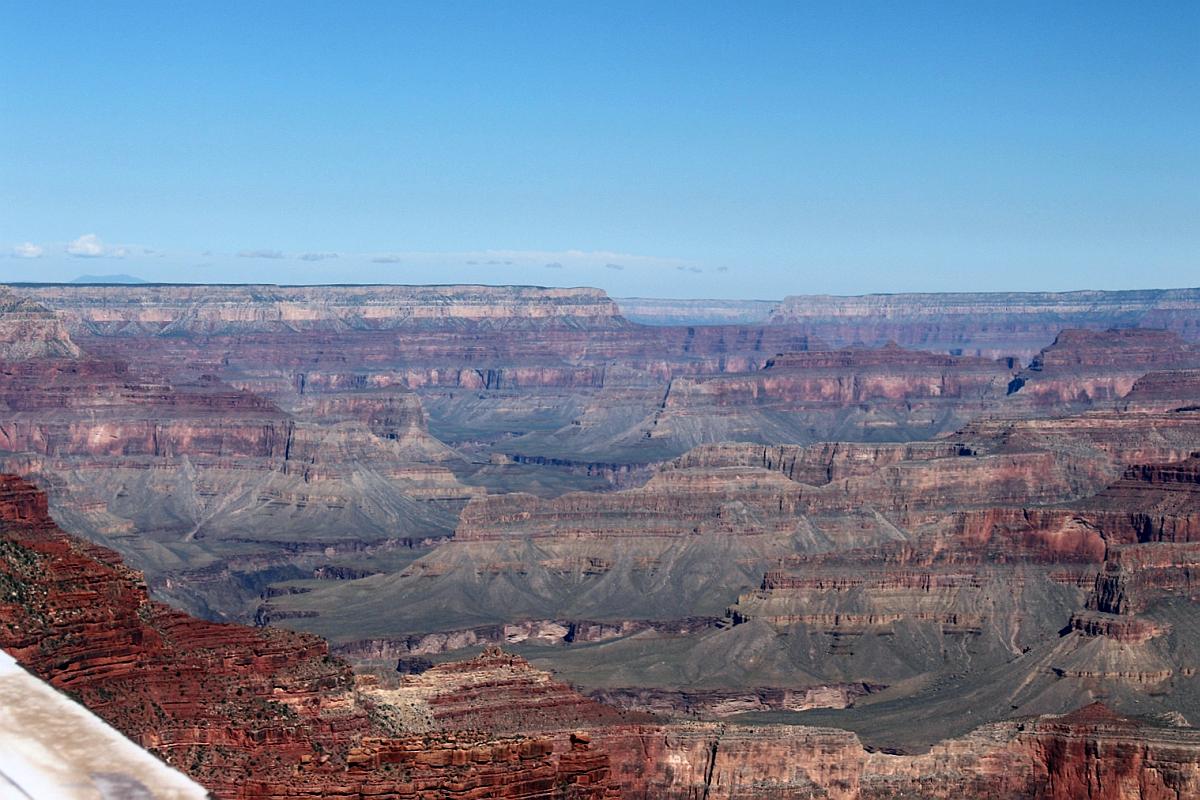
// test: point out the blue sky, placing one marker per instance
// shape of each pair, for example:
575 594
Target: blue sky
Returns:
662 149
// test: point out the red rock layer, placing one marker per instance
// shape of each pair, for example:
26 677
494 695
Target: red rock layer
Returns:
888 393
1134 576
1122 437
1120 629
1166 390
1084 366
98 407
1148 348
1091 754
686 499
816 464
1151 503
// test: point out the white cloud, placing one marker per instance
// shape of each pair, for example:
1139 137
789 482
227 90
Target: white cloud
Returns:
27 250
316 256
87 246
260 254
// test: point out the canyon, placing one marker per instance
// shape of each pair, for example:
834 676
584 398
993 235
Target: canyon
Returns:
874 547
263 713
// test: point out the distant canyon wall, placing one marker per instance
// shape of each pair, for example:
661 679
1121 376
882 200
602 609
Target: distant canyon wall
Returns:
198 308
993 324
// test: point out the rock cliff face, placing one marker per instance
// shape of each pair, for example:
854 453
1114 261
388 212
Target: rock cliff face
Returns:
1084 367
991 324
884 394
30 330
198 692
1091 754
1152 503
99 408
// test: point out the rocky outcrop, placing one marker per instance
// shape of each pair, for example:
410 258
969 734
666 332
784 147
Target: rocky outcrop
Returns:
1135 576
203 695
1116 627
1151 503
1085 367
718 703
1165 390
543 631
496 692
30 330
841 598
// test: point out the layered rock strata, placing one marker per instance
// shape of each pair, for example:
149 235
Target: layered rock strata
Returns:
1085 367
496 692
30 330
207 309
884 394
1091 754
993 324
